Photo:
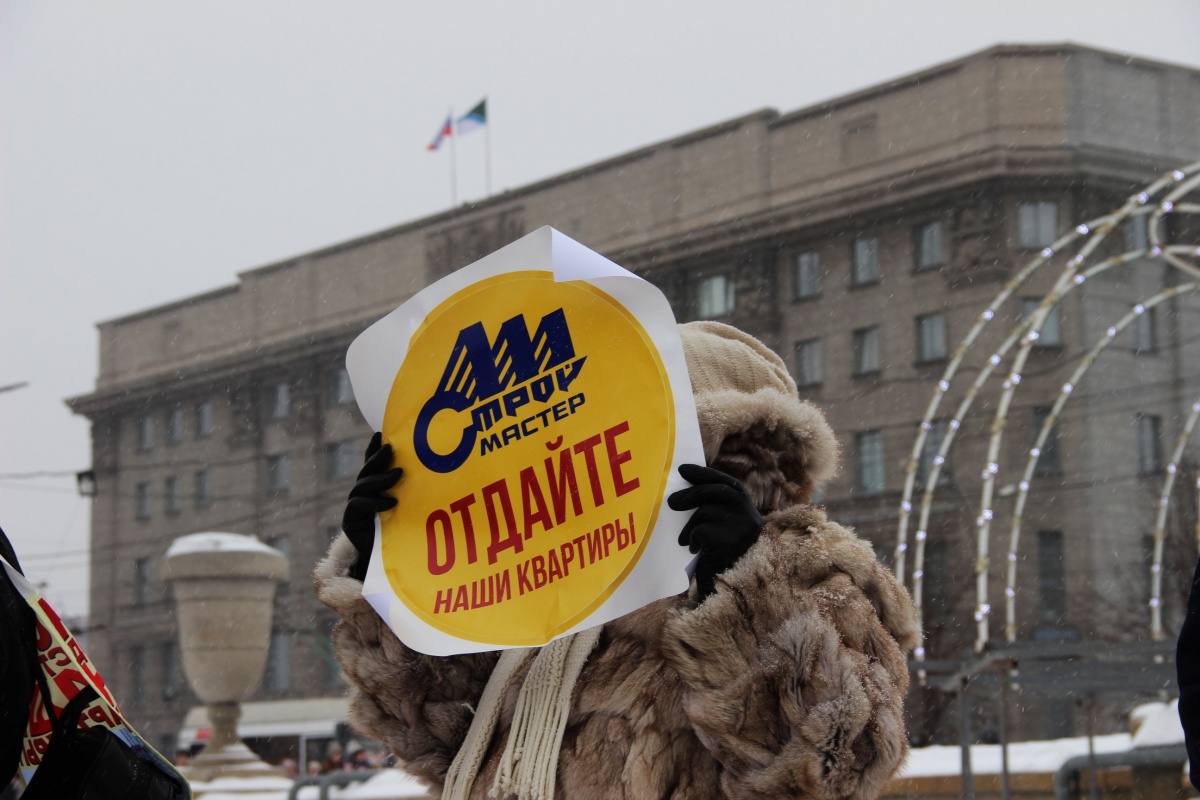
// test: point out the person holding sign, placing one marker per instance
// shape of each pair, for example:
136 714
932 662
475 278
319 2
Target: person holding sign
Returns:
780 672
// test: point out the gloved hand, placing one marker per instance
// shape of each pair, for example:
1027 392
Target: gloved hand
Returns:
725 524
367 499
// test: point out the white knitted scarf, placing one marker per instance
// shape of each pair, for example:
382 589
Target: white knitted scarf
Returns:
529 765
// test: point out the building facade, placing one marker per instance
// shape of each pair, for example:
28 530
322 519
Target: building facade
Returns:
859 238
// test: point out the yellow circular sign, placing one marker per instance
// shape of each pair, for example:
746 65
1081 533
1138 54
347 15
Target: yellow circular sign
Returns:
535 424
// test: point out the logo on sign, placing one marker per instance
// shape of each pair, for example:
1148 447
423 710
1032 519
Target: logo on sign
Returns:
500 380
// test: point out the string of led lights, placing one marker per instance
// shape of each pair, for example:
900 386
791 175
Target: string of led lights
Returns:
1035 452
1160 521
1026 332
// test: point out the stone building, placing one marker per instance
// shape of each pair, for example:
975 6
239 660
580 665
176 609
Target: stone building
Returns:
859 237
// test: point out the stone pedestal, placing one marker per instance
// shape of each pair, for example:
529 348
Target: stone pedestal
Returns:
224 586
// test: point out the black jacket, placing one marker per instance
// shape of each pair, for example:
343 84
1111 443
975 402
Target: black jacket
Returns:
1187 665
17 634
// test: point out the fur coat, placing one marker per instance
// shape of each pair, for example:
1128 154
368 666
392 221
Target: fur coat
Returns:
789 681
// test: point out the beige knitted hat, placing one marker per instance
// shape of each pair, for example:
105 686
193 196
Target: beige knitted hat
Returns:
739 382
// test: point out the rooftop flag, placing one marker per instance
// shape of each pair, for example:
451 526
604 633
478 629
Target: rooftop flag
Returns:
445 131
474 119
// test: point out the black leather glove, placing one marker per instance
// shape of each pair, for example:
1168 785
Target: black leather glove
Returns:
367 499
725 524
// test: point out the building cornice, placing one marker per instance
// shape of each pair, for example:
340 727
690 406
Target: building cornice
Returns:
185 380
896 193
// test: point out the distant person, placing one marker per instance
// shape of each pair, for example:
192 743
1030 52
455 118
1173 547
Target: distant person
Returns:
334 761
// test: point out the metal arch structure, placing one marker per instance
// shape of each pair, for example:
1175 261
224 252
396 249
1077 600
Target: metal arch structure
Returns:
1160 521
1010 616
1164 196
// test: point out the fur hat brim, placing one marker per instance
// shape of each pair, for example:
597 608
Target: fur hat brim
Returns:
724 413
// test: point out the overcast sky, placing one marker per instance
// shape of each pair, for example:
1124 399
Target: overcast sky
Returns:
153 150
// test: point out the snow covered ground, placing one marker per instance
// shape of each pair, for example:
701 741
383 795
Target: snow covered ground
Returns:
391 784
1155 725
1022 756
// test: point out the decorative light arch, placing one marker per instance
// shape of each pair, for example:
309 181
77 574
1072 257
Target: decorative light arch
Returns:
1010 587
1172 186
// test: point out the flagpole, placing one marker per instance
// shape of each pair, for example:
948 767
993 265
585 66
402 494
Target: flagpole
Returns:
453 162
487 154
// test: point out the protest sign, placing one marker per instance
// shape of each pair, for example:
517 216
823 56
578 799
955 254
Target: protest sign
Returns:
539 403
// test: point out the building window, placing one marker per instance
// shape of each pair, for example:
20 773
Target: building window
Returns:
174 425
146 433
869 446
340 391
715 296
283 543
931 337
808 362
173 494
927 245
866 260
1037 224
323 628
280 401
1051 333
1047 457
141 581
1052 593
866 351
144 498
137 675
1144 331
279 472
278 676
934 584
341 460
172 684
203 490
204 419
1137 237
929 453
334 679
1149 444
1147 564
808 275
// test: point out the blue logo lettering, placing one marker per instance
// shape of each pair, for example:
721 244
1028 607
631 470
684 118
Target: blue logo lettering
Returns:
495 379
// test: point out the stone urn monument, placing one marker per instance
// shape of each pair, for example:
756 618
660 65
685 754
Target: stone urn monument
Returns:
224 587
